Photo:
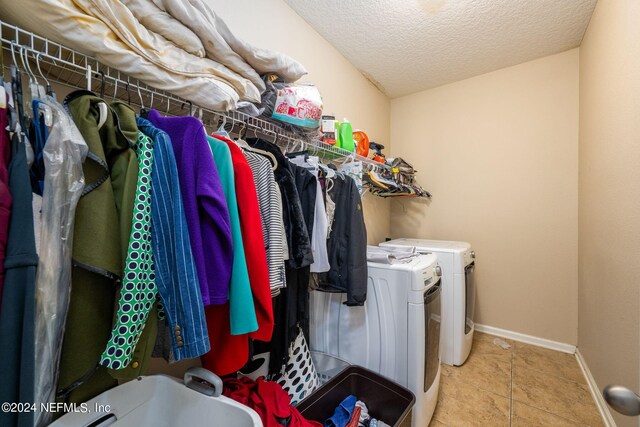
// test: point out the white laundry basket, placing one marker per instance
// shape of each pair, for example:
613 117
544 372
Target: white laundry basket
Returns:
328 366
159 400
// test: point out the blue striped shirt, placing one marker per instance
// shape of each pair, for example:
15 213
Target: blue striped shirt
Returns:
175 269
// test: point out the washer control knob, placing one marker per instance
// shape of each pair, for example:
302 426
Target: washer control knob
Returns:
438 271
473 255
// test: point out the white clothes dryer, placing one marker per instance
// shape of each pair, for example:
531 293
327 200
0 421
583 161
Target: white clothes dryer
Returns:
396 333
458 294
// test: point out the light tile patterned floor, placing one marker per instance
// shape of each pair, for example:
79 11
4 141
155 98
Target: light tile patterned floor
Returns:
522 386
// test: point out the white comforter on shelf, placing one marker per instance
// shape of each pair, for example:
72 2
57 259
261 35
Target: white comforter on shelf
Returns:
176 45
222 46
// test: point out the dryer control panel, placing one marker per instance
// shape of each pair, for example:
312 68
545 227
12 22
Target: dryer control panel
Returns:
427 276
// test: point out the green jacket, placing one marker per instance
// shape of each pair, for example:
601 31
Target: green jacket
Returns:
101 235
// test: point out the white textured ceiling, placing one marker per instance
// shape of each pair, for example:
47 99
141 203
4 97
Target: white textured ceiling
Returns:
405 46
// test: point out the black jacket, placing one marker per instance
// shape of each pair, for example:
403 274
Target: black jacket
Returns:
347 245
300 254
306 185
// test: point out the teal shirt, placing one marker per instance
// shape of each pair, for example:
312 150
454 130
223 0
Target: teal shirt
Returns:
243 312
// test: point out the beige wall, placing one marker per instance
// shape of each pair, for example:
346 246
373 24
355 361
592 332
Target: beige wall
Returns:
500 154
346 93
609 273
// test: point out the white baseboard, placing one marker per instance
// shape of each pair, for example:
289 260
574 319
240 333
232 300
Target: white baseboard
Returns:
605 413
528 339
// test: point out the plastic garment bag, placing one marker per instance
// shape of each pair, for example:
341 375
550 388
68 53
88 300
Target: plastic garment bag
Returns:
63 154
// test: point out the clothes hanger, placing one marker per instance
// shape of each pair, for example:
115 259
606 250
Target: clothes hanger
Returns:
49 90
371 179
143 111
352 167
295 145
13 55
351 158
16 87
115 90
103 112
329 183
304 154
221 129
266 134
290 141
33 82
239 123
241 142
250 128
269 137
140 96
245 145
15 113
13 72
101 73
190 107
103 108
223 132
329 172
128 93
19 122
303 160
243 129
200 117
25 68
269 156
200 114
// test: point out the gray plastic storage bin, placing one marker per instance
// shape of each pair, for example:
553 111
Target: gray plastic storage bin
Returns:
327 366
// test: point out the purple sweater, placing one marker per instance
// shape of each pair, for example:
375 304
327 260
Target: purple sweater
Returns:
205 206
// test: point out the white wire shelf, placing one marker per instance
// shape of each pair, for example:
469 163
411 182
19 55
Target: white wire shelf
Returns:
70 68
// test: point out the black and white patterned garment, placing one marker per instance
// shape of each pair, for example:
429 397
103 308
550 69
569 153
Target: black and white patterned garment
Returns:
271 215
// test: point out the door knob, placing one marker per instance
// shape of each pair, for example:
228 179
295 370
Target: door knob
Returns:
622 400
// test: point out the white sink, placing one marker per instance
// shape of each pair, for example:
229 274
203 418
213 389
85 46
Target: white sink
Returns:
159 401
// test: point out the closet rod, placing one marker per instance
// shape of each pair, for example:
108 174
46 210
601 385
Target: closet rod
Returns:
70 68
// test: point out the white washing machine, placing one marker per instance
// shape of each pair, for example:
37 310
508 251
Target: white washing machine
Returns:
458 294
396 333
